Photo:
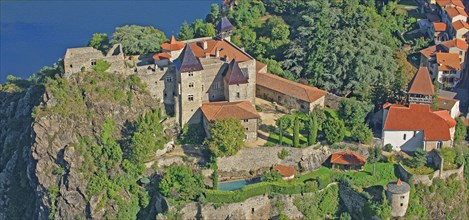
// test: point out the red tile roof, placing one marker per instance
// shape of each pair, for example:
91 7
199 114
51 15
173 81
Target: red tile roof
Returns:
446 103
347 158
439 26
453 12
260 67
388 105
458 25
225 48
450 3
435 124
173 45
285 86
448 61
161 56
444 46
223 110
422 83
283 170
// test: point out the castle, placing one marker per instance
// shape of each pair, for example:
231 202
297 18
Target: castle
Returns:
205 79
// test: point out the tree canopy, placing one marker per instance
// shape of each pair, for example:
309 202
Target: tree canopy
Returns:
181 183
138 39
226 137
99 41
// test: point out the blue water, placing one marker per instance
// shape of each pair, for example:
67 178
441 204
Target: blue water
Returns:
237 184
36 33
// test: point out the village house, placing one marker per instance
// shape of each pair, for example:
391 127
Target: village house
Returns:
456 46
347 160
460 29
447 69
446 101
437 32
287 172
417 126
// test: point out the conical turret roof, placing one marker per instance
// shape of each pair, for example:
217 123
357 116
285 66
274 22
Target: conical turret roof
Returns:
236 75
188 62
224 25
172 45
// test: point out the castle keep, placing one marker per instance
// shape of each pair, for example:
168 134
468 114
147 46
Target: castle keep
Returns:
204 79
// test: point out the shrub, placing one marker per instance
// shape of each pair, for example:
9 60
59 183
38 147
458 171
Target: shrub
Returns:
334 130
362 133
283 154
192 134
271 176
388 147
101 66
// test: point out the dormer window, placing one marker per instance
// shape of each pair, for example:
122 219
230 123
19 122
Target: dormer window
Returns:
93 62
169 79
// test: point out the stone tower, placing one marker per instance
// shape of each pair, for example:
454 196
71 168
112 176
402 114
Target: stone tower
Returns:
398 196
224 29
189 75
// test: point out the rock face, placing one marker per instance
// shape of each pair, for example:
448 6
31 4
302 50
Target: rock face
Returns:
258 207
351 201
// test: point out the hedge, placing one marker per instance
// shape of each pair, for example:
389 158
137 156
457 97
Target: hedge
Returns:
281 187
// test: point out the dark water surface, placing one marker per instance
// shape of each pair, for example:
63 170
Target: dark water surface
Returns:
36 33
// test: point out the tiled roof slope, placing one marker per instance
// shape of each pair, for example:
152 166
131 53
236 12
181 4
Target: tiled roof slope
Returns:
422 83
223 110
448 61
173 45
417 117
187 62
439 26
285 86
283 170
235 75
444 46
453 12
347 158
225 48
446 103
458 25
450 3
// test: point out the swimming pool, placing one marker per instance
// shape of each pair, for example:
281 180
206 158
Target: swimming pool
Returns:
237 184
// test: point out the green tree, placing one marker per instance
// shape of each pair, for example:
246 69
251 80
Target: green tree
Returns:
419 159
99 41
144 142
186 32
362 133
296 131
353 112
181 183
280 132
334 130
460 131
101 66
271 176
226 137
138 39
312 128
374 155
214 14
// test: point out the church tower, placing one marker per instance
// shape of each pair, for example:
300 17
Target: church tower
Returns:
421 87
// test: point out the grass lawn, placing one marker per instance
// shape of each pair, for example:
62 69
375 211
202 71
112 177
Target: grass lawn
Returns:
287 139
384 174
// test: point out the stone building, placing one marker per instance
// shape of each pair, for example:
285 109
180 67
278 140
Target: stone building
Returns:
398 197
287 93
84 58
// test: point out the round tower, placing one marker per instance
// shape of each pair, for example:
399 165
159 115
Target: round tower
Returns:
398 197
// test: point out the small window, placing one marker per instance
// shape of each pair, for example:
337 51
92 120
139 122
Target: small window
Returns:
93 62
191 74
191 85
415 133
246 120
169 79
402 197
191 98
237 95
405 136
165 95
213 96
302 106
402 204
71 66
247 129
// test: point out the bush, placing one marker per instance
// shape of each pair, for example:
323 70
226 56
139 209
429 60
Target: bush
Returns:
283 154
101 66
334 130
192 134
388 147
362 133
271 176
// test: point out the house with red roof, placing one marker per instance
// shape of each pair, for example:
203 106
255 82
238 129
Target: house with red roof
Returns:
347 160
459 29
287 172
437 32
447 69
407 128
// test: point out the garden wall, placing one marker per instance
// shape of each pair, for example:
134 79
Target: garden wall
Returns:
428 179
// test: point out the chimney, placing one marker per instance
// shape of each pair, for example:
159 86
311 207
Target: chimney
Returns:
207 55
204 45
226 58
217 53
